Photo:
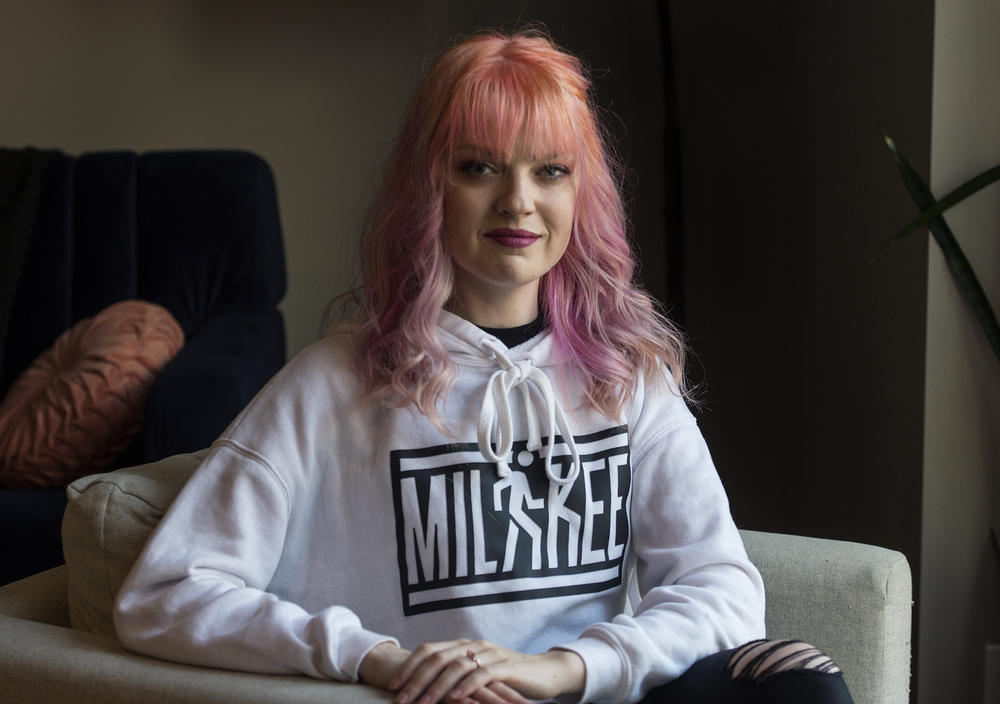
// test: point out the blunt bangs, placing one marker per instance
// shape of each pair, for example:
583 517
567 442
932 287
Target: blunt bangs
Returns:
509 105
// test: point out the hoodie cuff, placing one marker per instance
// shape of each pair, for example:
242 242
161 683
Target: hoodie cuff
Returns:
605 675
355 645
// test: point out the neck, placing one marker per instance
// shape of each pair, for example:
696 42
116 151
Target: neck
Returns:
505 310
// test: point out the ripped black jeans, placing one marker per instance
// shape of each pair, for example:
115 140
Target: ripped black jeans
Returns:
761 672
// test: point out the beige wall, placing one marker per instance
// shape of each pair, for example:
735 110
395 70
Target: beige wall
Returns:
316 88
960 605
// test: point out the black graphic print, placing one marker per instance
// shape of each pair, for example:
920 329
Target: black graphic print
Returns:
466 536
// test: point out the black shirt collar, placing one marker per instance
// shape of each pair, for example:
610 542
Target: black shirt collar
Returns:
512 337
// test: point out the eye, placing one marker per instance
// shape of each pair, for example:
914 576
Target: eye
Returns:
476 168
553 172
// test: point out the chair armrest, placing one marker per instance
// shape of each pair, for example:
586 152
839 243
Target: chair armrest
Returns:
41 663
852 601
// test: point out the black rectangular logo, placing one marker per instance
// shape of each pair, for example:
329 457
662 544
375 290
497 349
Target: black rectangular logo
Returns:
466 536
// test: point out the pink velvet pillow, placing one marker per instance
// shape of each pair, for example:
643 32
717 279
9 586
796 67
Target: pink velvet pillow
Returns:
79 404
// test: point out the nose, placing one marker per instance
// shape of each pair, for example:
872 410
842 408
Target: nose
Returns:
517 198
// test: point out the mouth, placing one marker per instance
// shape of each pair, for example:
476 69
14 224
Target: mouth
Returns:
515 239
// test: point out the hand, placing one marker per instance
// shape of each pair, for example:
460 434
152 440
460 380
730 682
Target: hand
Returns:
379 667
381 664
444 671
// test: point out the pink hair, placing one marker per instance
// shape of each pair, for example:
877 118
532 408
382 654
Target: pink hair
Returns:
493 90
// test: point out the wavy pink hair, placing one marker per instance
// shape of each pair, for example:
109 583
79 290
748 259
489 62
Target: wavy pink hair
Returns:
494 90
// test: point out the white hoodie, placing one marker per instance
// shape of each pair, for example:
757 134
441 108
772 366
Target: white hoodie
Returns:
322 524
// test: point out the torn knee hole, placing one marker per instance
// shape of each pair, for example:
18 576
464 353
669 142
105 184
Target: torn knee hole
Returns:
762 659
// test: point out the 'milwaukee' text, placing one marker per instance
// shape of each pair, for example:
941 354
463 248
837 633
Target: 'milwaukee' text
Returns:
467 536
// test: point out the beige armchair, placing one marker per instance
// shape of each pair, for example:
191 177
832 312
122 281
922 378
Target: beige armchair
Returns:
57 643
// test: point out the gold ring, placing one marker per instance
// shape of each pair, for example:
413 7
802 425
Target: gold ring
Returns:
472 656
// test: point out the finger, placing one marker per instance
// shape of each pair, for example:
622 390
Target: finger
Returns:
487 696
488 679
418 656
447 677
436 673
499 693
493 670
508 693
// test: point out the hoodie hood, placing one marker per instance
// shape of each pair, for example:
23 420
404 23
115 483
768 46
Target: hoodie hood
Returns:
518 373
463 341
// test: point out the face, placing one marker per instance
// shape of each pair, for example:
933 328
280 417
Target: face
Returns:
506 224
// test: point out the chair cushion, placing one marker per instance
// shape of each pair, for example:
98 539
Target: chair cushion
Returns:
110 517
79 403
107 522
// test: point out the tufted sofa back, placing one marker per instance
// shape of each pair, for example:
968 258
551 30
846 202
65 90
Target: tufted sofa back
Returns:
195 231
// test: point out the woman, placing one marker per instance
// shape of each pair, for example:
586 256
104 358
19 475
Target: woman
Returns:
497 449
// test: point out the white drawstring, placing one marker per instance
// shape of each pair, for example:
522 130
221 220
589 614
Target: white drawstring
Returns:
496 413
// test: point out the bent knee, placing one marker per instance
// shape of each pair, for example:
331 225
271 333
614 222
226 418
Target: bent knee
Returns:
760 660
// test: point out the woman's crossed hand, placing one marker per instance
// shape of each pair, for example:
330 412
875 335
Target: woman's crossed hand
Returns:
463 670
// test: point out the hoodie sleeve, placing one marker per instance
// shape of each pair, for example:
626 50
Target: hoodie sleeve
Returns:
699 592
197 593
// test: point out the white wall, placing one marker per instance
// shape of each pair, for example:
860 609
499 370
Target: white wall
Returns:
960 590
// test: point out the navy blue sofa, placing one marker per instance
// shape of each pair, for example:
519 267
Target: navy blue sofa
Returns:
197 232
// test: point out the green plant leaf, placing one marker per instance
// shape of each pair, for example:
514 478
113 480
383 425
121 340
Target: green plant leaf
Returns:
977 183
957 262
